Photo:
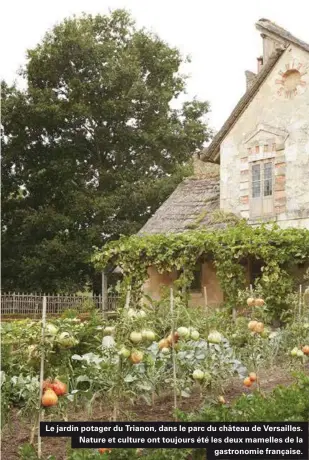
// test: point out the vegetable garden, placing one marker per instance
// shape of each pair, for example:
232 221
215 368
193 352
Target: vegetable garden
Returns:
151 364
159 361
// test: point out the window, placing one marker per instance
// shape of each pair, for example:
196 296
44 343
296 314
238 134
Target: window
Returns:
261 200
196 284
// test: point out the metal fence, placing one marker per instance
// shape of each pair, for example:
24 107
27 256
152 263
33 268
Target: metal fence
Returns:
31 305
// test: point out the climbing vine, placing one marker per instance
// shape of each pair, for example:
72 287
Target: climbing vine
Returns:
279 250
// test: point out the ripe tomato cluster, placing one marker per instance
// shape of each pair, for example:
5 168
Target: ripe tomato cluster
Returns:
251 302
248 381
51 391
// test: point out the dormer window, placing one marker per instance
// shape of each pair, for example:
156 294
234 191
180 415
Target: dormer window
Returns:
262 191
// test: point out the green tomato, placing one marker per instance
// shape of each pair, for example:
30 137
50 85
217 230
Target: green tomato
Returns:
50 330
66 340
195 335
148 335
214 337
136 337
109 330
198 374
294 351
299 354
125 352
183 332
265 334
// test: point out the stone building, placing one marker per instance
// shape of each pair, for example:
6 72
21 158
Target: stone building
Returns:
257 165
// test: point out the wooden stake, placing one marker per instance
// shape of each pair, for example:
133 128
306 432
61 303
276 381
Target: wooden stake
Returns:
41 375
128 297
253 296
173 348
205 299
300 301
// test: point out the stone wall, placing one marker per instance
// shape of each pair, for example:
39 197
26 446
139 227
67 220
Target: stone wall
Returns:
274 127
156 281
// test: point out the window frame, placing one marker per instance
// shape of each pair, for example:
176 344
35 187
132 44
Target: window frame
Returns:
262 198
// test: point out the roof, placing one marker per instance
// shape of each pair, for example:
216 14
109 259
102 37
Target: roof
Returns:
283 34
191 205
212 152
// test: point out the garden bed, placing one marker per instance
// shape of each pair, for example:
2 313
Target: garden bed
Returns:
17 432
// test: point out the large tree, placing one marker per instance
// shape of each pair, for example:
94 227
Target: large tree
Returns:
91 148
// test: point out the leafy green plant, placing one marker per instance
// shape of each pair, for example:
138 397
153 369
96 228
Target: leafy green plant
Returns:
289 403
279 251
28 452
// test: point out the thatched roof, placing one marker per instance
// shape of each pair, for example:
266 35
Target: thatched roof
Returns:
194 204
191 203
284 38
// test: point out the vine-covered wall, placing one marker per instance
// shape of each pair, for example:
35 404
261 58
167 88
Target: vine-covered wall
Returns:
280 252
157 282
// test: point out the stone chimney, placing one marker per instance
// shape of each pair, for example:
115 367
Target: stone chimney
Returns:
272 37
203 169
270 44
260 62
250 78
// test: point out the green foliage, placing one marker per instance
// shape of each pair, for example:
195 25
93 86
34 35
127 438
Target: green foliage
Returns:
219 216
28 452
91 148
279 251
289 404
100 376
95 369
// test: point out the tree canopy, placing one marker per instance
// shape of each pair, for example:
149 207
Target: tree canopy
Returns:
91 147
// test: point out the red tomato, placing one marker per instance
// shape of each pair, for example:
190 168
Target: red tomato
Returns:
59 387
103 450
49 398
248 382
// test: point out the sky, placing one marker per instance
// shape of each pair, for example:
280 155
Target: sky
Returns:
219 36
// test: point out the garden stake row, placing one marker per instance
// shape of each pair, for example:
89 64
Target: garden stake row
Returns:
40 415
173 349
